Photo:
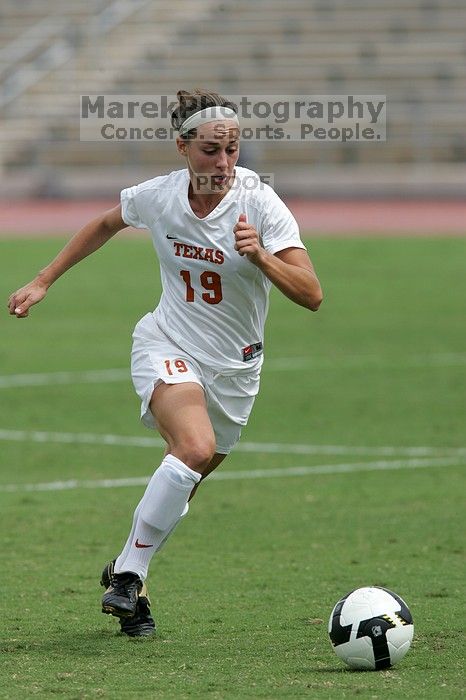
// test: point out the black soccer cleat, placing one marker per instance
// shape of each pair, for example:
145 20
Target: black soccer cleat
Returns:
141 624
121 597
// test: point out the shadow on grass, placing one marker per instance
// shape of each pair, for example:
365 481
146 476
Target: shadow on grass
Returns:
84 643
329 669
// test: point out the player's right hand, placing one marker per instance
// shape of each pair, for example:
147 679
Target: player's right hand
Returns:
21 301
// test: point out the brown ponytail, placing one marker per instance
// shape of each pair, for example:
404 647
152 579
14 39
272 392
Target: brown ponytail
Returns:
191 102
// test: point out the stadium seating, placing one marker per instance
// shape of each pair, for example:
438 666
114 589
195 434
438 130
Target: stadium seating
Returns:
51 52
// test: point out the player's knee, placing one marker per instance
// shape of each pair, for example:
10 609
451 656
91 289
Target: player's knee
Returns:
198 453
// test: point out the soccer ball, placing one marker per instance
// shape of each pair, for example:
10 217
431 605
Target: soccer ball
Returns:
371 628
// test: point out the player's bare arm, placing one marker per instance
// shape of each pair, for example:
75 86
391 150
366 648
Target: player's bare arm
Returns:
290 270
86 241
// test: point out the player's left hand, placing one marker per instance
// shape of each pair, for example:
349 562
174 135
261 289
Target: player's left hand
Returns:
247 239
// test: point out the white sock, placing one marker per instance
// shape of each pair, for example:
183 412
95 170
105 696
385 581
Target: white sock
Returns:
156 516
131 538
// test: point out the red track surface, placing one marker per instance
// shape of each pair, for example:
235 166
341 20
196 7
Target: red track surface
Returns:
327 218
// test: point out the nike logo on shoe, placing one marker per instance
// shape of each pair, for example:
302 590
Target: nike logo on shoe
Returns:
142 546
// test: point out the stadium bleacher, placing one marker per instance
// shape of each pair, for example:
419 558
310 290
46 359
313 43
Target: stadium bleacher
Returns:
411 50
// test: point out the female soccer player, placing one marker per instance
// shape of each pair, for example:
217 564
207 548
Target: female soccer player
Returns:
222 239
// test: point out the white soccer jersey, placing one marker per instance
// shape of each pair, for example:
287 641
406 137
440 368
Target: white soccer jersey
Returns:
214 302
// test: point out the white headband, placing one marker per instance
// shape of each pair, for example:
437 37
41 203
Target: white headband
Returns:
210 114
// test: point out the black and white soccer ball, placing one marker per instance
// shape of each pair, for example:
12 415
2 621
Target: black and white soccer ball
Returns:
371 628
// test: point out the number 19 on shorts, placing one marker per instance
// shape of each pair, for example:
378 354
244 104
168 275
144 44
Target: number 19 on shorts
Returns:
175 366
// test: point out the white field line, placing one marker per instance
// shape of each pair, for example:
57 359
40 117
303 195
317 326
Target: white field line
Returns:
79 438
344 468
284 364
251 447
446 359
54 378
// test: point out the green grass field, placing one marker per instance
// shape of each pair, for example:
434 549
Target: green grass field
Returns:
243 591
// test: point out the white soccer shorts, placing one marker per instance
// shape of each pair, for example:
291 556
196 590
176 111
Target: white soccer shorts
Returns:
156 358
